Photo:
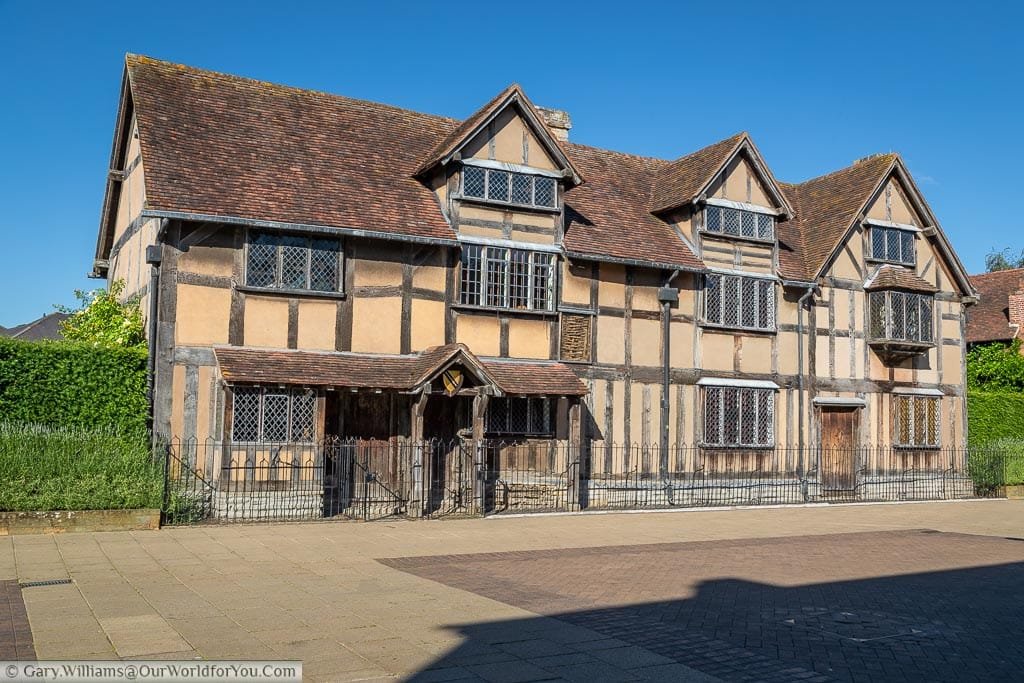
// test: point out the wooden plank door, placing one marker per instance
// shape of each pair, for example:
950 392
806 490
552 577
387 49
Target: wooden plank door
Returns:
839 449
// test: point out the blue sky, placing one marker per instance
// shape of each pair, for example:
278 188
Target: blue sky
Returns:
818 85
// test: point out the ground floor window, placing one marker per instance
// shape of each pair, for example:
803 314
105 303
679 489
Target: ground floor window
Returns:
529 416
916 421
273 414
739 417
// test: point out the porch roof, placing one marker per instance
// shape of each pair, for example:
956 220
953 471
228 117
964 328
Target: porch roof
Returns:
392 372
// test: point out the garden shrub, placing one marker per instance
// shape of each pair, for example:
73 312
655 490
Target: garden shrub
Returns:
73 384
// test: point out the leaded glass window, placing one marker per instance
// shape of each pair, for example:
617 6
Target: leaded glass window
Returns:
739 417
727 220
295 262
915 421
499 277
272 414
739 301
901 316
520 416
893 245
509 187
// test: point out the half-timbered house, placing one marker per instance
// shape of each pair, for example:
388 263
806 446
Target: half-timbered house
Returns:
315 267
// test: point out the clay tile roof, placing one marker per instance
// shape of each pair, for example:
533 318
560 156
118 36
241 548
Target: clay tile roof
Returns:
896 277
989 320
226 146
680 182
607 216
380 371
826 208
538 378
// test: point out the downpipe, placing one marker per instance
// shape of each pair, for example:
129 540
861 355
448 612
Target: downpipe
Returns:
667 295
800 374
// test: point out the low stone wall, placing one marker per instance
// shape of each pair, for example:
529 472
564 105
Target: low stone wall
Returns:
267 505
72 521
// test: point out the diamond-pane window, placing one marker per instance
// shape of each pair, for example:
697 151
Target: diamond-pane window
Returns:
544 191
497 185
296 262
510 187
522 189
739 222
738 301
273 415
528 416
739 417
473 181
893 245
915 421
901 316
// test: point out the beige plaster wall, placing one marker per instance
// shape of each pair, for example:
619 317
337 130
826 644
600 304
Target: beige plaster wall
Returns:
202 315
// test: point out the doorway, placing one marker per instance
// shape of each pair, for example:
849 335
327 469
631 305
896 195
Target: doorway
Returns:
839 426
447 422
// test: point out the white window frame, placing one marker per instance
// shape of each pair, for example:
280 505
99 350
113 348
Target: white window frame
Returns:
925 333
760 300
491 173
260 419
884 232
714 398
496 287
278 282
915 403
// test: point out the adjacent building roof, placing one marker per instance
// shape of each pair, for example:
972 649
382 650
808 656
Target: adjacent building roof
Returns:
989 319
47 327
393 372
215 145
896 277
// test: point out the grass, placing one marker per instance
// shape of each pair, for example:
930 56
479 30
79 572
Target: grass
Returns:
52 468
998 463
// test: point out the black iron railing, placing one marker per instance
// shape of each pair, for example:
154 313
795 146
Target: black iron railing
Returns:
380 479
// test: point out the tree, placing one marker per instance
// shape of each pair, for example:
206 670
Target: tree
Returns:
1003 260
103 319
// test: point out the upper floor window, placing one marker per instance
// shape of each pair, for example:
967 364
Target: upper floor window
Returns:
739 222
500 277
739 417
893 245
916 421
296 262
509 187
738 301
273 415
520 416
901 316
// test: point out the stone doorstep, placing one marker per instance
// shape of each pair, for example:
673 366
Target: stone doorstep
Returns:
77 521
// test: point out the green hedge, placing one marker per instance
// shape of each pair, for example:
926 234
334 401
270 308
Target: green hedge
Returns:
994 415
48 468
74 385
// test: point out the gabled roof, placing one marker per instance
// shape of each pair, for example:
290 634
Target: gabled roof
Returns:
829 207
46 327
686 179
989 319
392 372
898 277
512 96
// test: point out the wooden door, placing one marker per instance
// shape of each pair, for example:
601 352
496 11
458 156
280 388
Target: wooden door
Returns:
839 449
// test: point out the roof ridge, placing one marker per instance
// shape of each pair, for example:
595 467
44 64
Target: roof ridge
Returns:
145 59
884 155
999 272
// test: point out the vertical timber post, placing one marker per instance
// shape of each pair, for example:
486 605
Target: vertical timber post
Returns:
480 473
416 505
576 494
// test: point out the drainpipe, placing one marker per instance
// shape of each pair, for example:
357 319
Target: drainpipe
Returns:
153 258
667 295
800 370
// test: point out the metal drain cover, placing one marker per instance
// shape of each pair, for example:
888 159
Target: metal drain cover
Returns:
50 582
860 626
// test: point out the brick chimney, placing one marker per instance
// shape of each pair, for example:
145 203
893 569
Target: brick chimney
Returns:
1016 306
558 121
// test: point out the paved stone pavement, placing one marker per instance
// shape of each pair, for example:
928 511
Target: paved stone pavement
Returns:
318 593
